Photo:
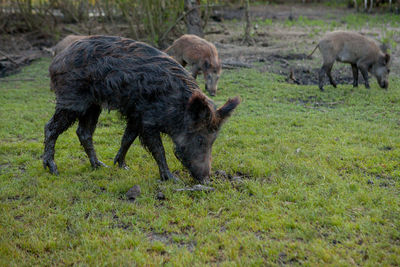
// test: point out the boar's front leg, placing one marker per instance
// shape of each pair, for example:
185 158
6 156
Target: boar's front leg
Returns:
60 122
355 75
152 141
130 135
195 71
87 125
364 73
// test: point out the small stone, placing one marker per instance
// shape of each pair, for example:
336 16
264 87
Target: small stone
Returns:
298 150
133 193
160 196
370 181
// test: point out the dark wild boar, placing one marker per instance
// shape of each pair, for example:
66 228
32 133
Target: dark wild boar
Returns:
201 55
64 43
361 52
151 90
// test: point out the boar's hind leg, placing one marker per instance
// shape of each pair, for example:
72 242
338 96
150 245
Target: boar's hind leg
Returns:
326 68
87 125
152 141
60 122
130 135
355 74
329 73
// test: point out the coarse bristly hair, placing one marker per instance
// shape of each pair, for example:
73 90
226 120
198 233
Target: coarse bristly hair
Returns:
118 73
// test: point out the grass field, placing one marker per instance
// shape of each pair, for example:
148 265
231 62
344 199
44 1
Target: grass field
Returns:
321 183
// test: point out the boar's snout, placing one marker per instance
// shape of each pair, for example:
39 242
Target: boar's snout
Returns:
210 91
211 82
201 171
385 84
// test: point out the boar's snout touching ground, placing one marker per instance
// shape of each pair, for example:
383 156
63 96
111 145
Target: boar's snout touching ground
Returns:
64 43
151 90
201 55
361 52
381 70
211 77
193 146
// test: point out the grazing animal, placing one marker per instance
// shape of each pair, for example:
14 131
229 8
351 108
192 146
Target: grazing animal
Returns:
64 43
151 90
201 55
361 52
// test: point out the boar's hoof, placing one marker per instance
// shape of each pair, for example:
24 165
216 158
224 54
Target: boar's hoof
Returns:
52 166
121 165
98 164
125 167
170 177
321 88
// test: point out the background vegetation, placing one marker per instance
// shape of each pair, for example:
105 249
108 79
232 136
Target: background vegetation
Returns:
150 20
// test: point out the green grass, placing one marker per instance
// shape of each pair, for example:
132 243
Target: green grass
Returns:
323 183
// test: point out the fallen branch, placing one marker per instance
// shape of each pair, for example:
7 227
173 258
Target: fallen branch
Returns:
214 32
197 187
9 58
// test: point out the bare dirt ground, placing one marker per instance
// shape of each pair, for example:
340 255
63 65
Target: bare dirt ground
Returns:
279 48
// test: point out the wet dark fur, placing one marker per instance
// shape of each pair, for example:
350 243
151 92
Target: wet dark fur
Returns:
150 89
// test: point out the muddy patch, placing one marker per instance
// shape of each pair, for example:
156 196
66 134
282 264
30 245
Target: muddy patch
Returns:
172 239
118 223
306 76
235 177
298 69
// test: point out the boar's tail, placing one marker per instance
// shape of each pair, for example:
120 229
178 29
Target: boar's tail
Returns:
309 56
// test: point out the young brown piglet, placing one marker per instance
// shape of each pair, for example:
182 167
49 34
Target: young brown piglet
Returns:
201 55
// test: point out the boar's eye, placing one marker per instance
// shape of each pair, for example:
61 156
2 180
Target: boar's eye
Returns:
200 140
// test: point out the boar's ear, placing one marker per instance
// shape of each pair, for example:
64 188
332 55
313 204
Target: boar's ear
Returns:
199 109
226 110
387 58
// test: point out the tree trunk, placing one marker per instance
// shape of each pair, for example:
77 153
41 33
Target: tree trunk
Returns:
247 39
193 19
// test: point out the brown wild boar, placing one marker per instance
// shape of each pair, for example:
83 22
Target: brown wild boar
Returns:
361 52
64 43
201 55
